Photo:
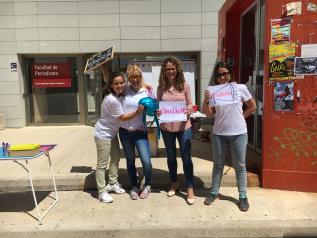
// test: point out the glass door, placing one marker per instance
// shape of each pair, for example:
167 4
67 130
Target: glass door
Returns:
52 90
251 71
93 85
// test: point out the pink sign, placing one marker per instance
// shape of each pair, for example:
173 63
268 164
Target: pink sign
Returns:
172 111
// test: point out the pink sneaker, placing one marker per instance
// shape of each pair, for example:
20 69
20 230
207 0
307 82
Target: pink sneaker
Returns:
146 192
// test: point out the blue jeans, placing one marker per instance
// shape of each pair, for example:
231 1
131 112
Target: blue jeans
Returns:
238 147
184 140
138 139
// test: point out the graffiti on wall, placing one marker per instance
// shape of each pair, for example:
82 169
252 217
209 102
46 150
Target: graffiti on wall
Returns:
301 141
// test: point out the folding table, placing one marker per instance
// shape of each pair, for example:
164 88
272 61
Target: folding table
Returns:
44 150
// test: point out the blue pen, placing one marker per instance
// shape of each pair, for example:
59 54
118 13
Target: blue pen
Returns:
3 148
7 148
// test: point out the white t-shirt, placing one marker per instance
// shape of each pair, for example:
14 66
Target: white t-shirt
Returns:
108 123
130 103
229 118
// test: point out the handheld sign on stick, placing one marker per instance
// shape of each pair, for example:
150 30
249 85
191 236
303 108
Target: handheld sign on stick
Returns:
99 59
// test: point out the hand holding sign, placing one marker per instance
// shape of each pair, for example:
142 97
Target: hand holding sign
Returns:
99 59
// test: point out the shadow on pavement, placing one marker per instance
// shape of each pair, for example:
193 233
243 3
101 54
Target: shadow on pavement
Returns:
20 202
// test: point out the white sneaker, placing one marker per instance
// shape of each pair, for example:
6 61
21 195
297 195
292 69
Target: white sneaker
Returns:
134 194
116 188
105 197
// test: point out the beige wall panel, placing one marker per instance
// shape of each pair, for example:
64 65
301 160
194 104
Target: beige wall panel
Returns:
139 19
59 46
7 34
15 123
109 20
9 88
7 22
181 45
208 57
212 5
98 7
180 6
9 100
140 33
5 61
209 31
7 47
181 19
6 8
209 18
207 70
27 47
26 21
58 21
210 44
180 32
7 76
11 112
25 8
140 46
137 6
108 33
58 34
96 46
57 8
25 34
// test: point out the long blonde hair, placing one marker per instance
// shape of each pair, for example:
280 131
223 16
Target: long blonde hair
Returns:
179 83
135 68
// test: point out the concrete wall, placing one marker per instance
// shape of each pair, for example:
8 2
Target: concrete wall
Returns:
62 26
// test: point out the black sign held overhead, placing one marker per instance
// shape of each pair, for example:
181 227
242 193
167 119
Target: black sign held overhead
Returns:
99 59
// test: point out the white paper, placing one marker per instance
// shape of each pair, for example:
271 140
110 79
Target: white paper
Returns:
309 50
172 111
222 94
190 79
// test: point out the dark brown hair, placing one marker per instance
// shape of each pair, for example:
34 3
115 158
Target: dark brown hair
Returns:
179 84
107 89
222 64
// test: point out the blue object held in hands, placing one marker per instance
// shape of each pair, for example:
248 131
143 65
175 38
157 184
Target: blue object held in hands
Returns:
150 105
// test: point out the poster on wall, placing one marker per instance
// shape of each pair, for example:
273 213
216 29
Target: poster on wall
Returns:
283 96
305 65
51 75
293 8
281 61
280 31
312 7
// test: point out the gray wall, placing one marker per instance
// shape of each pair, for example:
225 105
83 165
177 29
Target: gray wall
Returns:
36 27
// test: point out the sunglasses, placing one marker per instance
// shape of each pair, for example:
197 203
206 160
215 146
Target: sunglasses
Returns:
223 74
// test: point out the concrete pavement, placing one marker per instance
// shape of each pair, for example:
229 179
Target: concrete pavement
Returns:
74 161
78 213
272 213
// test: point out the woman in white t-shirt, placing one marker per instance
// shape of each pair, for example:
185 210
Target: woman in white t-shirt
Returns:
229 131
106 139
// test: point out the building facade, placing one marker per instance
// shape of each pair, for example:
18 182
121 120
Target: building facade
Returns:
52 40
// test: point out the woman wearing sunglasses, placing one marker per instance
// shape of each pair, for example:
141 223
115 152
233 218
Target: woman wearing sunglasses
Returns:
229 131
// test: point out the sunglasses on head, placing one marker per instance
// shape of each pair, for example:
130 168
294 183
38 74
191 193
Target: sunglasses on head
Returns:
223 74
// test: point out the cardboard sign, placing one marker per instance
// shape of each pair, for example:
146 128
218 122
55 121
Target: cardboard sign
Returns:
99 59
173 111
222 94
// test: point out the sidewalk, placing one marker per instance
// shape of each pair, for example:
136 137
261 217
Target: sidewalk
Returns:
78 213
74 161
